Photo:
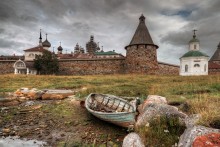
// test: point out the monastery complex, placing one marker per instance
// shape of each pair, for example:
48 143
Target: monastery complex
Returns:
141 58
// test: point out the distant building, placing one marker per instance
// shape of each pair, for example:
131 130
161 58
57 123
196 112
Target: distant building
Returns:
194 62
214 62
26 66
92 46
108 54
78 49
141 58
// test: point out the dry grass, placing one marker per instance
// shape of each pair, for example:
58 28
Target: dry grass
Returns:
202 93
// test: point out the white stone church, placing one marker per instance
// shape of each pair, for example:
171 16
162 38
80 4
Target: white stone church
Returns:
194 62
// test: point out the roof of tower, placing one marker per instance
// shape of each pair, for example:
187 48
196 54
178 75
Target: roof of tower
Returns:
194 39
46 43
216 55
141 35
194 54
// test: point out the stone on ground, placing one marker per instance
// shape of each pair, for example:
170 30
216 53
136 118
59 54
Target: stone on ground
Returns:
192 133
132 140
152 99
208 140
57 94
154 110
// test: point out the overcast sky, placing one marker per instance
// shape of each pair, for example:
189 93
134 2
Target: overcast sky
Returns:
112 22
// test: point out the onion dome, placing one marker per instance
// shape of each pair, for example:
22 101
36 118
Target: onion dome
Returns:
46 43
60 47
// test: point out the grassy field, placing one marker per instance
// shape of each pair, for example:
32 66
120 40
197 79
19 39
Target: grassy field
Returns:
201 93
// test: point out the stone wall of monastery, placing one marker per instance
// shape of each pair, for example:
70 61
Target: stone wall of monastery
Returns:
92 66
6 66
168 69
214 71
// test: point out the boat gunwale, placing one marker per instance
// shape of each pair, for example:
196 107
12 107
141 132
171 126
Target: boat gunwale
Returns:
111 113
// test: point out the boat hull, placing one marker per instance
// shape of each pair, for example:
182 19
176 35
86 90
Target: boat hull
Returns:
123 119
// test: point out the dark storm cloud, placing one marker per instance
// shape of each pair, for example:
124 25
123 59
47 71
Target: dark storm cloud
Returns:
112 22
2 30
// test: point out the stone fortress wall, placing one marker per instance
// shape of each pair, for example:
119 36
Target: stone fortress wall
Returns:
6 66
92 67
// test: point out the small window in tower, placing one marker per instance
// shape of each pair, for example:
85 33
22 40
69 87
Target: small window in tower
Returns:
195 46
205 68
196 65
186 68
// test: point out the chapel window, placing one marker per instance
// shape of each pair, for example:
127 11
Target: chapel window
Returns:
186 68
194 46
196 65
205 67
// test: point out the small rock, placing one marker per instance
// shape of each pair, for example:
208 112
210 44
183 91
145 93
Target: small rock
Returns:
29 103
22 99
6 130
132 140
152 99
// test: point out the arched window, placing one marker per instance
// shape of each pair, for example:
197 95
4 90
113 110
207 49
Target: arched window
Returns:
205 68
186 68
19 64
196 65
194 46
31 55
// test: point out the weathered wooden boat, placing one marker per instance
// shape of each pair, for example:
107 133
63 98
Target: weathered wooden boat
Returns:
112 109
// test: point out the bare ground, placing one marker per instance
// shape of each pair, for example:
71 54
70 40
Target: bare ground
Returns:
59 123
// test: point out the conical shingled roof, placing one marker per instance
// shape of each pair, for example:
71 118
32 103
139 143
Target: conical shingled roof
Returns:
142 35
216 55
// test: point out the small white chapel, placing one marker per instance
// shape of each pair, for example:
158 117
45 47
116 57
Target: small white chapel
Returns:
194 62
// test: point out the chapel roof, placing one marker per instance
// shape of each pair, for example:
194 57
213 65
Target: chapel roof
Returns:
194 54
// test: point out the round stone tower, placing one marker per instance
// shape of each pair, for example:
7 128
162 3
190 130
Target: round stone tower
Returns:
141 53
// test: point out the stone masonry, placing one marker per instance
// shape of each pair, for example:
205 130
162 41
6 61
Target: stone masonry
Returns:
92 66
6 66
141 59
